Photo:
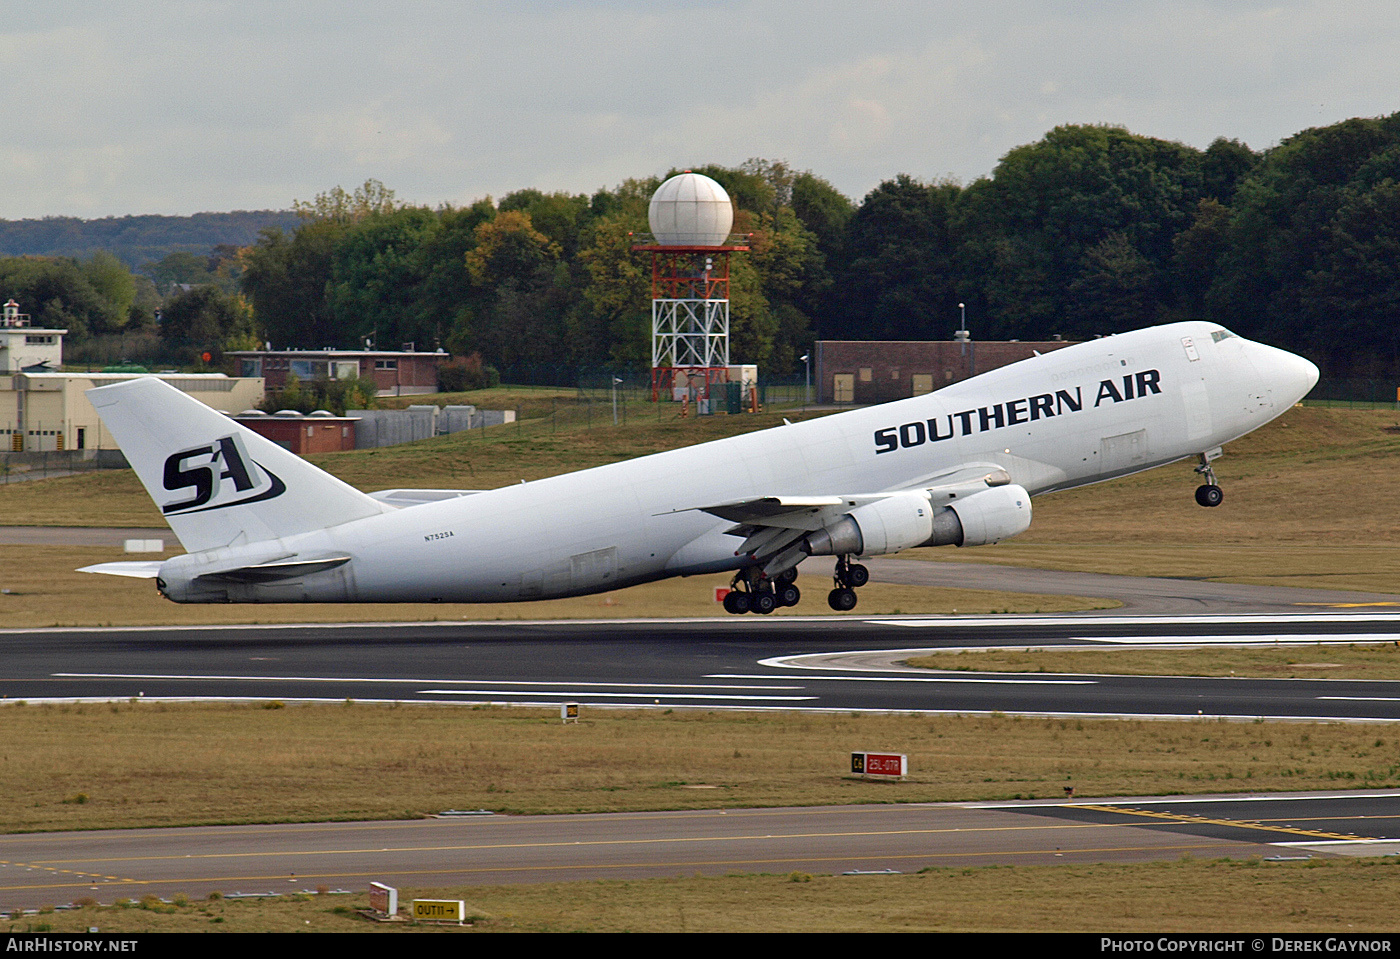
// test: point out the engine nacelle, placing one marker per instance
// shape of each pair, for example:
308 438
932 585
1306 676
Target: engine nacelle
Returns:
992 515
906 520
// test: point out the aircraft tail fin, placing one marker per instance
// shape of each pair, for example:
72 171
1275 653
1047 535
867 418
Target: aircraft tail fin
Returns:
218 483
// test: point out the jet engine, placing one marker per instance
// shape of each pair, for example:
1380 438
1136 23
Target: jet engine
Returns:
906 520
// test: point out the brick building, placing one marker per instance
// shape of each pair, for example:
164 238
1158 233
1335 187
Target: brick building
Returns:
401 373
318 432
877 371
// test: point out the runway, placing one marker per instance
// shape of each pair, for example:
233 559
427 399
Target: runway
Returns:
736 663
486 850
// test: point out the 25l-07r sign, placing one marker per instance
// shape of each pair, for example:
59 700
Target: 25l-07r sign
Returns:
881 765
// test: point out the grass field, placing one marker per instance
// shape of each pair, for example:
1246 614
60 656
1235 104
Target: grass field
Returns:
123 765
1379 661
1341 898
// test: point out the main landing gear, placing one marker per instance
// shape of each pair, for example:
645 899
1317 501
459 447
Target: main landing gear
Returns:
848 578
752 592
1209 494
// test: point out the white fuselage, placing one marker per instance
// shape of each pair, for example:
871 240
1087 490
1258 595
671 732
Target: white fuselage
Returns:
1078 415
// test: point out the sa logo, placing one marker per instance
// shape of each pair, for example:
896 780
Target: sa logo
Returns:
226 460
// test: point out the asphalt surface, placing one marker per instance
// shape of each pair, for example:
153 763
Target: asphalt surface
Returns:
733 663
41 869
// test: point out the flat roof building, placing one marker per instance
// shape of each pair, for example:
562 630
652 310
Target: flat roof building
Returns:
43 412
318 432
394 373
878 371
24 346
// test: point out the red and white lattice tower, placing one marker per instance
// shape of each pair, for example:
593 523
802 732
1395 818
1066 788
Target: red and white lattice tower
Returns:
690 217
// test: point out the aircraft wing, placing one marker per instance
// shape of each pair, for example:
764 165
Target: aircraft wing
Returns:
814 512
794 512
774 526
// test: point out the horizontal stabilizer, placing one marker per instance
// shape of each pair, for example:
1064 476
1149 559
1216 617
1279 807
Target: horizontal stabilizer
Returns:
275 571
404 498
136 569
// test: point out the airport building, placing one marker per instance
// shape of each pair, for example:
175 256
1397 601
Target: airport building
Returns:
44 410
405 372
878 371
318 432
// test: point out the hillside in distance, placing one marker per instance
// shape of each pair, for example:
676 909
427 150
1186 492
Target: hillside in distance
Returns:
138 240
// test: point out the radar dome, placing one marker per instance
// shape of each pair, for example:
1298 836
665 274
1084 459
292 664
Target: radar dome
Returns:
690 210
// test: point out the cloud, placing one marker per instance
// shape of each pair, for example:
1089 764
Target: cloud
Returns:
127 107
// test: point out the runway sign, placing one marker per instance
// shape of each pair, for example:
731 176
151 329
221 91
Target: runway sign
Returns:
880 765
440 910
383 899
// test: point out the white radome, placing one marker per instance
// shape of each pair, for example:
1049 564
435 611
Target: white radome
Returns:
690 210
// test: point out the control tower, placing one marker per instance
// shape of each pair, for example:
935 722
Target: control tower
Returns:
690 218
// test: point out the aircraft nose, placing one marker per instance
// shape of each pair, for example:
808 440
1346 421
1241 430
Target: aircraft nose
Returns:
1287 374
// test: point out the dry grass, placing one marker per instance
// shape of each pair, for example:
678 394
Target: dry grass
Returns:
89 766
1365 567
1379 661
1312 478
1341 898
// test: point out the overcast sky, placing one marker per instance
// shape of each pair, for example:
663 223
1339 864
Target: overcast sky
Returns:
121 107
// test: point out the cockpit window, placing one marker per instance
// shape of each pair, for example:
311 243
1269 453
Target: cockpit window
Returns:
1218 335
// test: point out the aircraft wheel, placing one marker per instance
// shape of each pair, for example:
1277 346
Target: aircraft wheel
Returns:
842 600
764 602
787 575
736 602
1209 495
857 576
788 595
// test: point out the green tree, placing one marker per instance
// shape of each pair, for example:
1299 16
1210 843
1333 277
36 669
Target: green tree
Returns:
898 281
1196 256
58 294
615 323
206 319
1026 234
1117 289
1285 228
1353 297
524 288
179 267
562 217
376 280
371 199
286 278
114 286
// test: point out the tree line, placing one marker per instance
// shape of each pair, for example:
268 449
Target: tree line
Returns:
1090 230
